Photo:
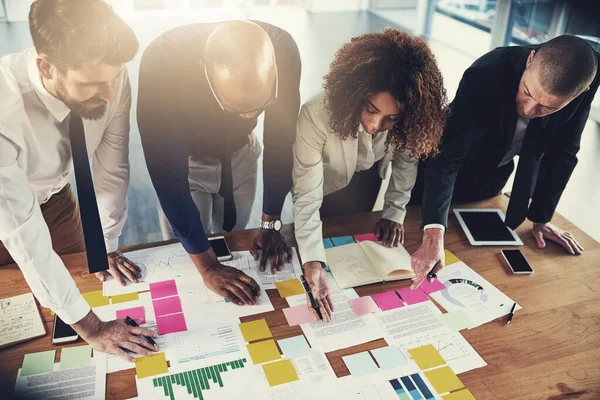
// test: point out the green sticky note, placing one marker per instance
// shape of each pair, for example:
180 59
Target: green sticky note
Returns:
457 320
38 363
75 357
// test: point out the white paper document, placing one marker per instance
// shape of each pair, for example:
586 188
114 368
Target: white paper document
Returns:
244 261
346 329
466 290
77 383
19 320
418 325
157 264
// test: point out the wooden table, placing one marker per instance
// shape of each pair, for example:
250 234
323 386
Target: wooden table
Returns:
551 350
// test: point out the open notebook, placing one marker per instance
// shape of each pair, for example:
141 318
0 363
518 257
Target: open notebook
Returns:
19 320
368 262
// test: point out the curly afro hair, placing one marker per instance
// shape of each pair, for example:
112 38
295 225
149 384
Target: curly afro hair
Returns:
400 64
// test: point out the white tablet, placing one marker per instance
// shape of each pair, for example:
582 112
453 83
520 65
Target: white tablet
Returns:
485 227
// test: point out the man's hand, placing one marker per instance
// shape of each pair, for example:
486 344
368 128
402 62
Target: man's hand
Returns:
120 266
428 257
315 277
115 336
390 233
273 245
225 281
557 235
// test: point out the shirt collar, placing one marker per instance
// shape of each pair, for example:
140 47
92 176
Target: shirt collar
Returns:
56 107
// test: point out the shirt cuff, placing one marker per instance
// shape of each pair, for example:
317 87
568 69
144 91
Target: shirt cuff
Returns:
75 312
394 214
111 245
440 226
195 244
312 254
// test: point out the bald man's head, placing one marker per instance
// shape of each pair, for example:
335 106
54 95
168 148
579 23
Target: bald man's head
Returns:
240 65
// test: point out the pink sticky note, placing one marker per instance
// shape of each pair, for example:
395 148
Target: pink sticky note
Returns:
133 313
412 296
167 305
363 305
432 287
171 323
388 300
163 289
366 237
297 315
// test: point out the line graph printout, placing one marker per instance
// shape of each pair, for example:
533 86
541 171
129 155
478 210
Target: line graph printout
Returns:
157 264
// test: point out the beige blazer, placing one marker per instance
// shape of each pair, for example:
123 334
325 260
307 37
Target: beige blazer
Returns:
323 164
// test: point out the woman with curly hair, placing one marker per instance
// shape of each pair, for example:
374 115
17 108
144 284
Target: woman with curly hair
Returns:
384 102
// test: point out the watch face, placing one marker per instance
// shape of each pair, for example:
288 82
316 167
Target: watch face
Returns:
277 225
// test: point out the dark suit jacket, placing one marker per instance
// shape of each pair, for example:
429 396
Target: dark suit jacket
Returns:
479 133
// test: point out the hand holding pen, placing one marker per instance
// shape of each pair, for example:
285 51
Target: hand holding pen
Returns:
314 281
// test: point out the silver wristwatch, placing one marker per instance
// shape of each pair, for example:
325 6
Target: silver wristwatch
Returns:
271 225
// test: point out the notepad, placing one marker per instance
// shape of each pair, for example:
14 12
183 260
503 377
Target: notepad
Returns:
368 262
19 320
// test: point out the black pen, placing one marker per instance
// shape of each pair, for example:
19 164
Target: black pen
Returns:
511 314
313 302
131 322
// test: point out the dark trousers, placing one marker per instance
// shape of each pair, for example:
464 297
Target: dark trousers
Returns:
358 197
61 213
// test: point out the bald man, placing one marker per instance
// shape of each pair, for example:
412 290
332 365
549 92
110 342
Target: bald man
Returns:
201 90
530 101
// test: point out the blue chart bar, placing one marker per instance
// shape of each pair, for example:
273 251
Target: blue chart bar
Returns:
402 395
411 388
422 386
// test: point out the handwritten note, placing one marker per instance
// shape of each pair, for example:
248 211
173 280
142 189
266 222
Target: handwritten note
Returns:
19 320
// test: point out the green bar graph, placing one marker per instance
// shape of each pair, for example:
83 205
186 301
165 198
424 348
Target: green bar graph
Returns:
197 380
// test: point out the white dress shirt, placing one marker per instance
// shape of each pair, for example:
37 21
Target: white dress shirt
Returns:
35 163
515 148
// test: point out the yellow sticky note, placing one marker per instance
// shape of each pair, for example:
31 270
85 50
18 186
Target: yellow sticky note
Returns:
280 372
444 379
427 357
450 257
151 365
255 330
464 394
262 352
289 288
122 298
95 298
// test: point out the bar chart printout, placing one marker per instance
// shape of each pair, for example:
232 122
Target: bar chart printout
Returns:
195 381
411 389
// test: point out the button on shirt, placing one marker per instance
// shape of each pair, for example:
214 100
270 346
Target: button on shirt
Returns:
35 163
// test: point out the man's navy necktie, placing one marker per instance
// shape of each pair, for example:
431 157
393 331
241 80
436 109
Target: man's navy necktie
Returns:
88 206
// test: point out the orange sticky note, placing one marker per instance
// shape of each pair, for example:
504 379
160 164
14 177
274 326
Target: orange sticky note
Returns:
427 357
155 364
289 288
280 372
262 352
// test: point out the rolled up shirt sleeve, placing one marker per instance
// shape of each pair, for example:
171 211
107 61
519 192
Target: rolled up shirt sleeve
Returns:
25 235
111 170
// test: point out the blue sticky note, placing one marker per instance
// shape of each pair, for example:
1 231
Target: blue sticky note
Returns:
360 364
327 243
293 347
342 240
389 357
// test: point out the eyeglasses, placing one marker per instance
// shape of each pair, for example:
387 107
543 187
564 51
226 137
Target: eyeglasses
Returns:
272 99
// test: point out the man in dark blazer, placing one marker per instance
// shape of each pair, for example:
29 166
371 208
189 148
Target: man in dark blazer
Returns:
531 101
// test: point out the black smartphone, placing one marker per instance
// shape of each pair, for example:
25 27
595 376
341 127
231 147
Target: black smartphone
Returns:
220 247
517 262
63 333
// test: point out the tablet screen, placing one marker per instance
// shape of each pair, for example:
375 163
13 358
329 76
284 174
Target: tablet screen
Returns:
487 226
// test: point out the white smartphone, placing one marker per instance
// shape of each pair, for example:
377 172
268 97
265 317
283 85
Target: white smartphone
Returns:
517 262
220 247
63 333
